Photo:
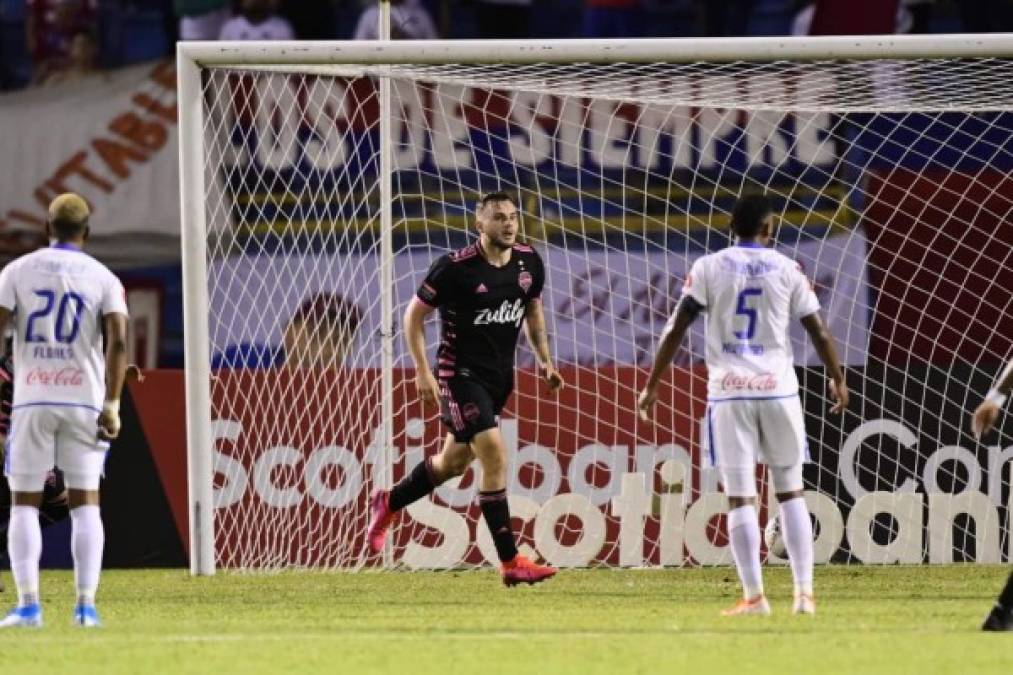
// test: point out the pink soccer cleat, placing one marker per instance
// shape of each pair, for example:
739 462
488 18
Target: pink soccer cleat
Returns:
380 518
520 570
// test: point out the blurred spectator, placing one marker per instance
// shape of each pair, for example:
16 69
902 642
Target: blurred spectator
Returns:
849 17
51 27
257 20
409 20
503 19
918 16
80 63
321 332
612 18
202 19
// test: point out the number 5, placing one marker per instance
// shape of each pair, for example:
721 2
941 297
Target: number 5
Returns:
748 312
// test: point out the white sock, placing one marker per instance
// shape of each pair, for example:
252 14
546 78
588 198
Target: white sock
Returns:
87 540
744 537
24 546
797 530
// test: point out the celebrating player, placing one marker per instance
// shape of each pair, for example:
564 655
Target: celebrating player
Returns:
66 399
484 292
985 416
750 293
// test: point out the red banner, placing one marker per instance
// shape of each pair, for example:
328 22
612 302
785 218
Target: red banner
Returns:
297 455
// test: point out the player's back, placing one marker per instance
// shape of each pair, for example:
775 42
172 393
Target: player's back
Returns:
59 295
751 294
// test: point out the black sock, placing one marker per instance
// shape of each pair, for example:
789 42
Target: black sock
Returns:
497 517
1006 597
416 485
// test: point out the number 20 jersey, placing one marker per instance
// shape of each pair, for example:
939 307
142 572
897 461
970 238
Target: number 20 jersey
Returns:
750 295
59 296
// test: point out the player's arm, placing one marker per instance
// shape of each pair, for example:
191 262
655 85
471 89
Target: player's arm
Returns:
987 412
414 322
823 342
116 375
671 337
538 338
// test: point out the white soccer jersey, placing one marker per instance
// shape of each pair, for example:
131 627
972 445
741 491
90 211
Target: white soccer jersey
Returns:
59 296
750 295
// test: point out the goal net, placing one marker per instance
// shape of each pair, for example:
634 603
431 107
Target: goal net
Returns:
891 179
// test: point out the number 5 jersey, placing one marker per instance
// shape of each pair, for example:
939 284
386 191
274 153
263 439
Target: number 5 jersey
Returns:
750 295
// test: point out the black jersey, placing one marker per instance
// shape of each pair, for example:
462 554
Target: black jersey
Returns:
481 310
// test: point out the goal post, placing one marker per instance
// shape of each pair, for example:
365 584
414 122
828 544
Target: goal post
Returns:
319 180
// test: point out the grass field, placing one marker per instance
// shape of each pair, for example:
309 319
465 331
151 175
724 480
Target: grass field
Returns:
871 620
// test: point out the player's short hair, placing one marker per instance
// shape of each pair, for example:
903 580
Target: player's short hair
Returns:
749 213
68 215
493 197
329 311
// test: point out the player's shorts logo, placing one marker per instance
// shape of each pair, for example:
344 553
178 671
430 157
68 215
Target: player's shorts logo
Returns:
524 281
470 411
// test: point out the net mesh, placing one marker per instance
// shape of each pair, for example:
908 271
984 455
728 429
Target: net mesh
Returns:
892 186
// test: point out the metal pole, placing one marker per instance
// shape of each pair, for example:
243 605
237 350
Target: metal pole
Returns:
195 312
386 279
651 50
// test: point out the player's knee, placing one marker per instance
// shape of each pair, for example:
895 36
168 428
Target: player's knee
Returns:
739 485
454 466
787 481
494 465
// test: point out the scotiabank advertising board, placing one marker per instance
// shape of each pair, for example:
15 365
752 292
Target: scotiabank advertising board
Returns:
895 480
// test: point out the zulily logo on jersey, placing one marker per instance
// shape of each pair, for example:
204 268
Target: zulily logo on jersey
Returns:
508 312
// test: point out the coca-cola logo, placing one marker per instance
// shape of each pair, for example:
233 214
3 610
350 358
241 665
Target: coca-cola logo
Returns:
761 382
56 377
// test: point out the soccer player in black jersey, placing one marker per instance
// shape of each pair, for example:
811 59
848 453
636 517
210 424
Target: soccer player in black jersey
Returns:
484 292
984 418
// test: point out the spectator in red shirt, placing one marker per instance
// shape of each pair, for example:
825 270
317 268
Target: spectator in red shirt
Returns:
52 27
854 17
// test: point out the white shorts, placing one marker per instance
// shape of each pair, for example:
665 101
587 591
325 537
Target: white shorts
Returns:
43 437
745 432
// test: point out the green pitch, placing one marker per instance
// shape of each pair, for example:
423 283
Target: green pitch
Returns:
871 620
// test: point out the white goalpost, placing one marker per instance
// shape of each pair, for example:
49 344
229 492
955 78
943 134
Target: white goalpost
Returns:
320 179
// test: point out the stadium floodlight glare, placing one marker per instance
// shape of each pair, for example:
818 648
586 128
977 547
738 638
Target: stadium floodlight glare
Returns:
320 179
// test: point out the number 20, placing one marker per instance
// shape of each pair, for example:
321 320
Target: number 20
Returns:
747 311
49 298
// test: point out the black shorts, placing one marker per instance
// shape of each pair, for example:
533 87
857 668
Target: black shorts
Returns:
469 406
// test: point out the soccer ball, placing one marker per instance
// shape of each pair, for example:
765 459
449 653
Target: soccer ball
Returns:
774 538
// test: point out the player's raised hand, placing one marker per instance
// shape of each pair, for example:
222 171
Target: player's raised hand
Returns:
984 418
839 395
553 380
427 388
109 421
645 402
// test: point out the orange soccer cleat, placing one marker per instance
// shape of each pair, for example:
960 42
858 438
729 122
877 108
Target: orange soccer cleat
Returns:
755 606
520 570
380 518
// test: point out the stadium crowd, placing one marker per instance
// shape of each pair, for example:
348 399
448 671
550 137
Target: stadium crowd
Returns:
49 41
